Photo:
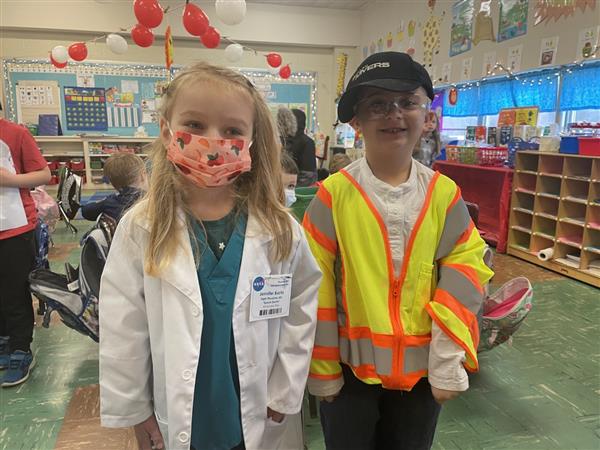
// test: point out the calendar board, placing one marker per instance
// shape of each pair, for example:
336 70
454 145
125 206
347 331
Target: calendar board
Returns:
85 109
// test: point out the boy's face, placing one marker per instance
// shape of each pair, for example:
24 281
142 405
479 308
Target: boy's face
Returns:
391 122
289 180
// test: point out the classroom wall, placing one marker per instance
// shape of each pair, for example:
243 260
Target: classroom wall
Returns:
380 17
307 38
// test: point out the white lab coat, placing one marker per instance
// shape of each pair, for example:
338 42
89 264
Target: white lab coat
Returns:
150 331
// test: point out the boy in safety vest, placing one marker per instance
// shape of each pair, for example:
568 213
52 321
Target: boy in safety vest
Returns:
403 272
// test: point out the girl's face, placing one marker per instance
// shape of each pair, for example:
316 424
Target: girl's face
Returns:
212 110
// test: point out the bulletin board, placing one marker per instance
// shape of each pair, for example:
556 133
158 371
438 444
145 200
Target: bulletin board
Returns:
131 94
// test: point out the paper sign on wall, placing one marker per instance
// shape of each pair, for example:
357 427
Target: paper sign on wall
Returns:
548 51
489 61
467 65
515 55
588 40
446 72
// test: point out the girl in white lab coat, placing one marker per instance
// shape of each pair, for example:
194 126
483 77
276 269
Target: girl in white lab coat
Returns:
208 299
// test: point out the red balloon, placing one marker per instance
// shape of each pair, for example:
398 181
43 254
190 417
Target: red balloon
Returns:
194 20
285 71
57 65
142 36
211 38
274 59
78 51
148 12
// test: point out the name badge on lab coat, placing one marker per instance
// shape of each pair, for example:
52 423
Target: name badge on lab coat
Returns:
270 297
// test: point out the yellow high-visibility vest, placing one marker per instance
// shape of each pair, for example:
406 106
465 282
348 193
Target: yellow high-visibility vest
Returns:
373 321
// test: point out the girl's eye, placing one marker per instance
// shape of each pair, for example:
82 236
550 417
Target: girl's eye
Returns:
234 132
193 125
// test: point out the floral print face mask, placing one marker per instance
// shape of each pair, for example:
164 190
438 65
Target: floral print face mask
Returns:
209 162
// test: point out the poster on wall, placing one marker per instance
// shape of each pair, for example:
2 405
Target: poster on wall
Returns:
85 109
489 61
437 106
462 27
518 116
588 41
467 65
548 50
515 55
446 72
35 97
513 19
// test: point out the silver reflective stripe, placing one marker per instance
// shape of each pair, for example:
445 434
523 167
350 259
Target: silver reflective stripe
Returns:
461 288
321 217
416 358
362 351
327 334
457 221
337 271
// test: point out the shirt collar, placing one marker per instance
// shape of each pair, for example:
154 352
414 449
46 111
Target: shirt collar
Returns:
381 187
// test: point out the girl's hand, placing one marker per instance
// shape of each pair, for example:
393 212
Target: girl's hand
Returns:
275 416
148 434
441 396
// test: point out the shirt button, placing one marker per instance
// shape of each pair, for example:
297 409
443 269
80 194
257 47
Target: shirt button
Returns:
183 437
195 312
187 374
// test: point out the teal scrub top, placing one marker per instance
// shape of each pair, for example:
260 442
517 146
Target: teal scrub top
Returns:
216 418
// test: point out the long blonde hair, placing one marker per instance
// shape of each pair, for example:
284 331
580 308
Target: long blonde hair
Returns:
259 192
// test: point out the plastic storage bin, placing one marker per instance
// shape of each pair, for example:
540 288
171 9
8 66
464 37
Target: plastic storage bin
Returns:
589 146
569 145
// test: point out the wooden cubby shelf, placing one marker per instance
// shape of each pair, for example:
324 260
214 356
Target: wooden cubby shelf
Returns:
559 210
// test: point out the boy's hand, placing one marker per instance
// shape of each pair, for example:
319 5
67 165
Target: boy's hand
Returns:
148 434
442 396
275 416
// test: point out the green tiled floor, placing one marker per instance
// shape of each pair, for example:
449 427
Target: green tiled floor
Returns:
543 392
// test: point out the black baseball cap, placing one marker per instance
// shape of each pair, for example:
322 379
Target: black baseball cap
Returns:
392 71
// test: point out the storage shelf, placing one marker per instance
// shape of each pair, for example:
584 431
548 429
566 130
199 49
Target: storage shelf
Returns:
63 155
565 217
106 155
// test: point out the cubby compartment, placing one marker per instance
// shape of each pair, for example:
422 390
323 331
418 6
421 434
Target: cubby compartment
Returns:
592 240
567 255
594 197
596 171
551 165
577 168
519 240
593 218
522 221
525 181
590 262
547 207
523 202
572 212
527 161
544 227
548 187
575 191
570 234
539 243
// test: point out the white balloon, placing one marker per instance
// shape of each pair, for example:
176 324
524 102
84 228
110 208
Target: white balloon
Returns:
60 54
116 43
274 70
231 12
234 52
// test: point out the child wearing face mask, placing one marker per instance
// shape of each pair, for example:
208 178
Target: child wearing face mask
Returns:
289 177
403 272
209 291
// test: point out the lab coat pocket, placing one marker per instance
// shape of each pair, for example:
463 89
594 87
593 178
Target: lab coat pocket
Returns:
420 321
273 434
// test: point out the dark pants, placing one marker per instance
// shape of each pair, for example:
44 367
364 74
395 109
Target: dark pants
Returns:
17 258
368 417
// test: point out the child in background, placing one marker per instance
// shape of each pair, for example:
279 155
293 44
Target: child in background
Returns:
127 173
289 177
209 293
338 162
428 148
22 167
403 272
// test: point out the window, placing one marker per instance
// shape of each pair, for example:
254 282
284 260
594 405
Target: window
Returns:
454 128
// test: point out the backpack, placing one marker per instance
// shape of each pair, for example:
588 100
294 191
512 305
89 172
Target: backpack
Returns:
74 295
503 313
69 193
